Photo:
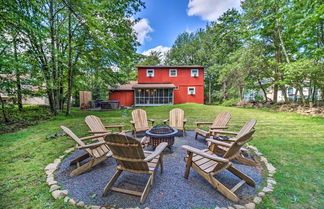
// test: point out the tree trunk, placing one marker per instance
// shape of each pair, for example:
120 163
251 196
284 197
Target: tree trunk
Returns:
275 93
264 91
53 57
6 119
209 90
295 96
302 97
18 82
70 69
284 93
241 93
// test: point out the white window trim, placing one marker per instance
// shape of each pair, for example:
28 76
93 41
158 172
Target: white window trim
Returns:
192 75
176 73
194 90
147 73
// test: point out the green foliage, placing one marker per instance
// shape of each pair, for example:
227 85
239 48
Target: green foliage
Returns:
230 102
31 115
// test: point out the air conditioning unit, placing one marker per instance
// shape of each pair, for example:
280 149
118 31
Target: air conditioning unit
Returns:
195 75
150 75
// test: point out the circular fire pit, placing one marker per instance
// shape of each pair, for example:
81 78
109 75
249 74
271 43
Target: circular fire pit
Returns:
161 133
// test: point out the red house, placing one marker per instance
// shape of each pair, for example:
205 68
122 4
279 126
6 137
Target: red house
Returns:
162 85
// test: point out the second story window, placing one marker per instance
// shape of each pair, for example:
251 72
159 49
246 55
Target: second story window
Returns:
150 73
194 72
173 72
191 90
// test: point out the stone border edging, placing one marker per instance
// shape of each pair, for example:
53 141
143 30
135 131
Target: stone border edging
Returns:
57 193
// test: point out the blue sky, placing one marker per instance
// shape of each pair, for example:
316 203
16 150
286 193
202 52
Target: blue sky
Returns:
162 20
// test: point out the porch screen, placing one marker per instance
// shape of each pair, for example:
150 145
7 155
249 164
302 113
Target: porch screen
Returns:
146 97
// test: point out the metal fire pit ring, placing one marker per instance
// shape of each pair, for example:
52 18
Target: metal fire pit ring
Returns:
157 138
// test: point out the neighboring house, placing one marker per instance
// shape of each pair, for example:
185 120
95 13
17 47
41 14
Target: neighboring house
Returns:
27 99
162 85
251 95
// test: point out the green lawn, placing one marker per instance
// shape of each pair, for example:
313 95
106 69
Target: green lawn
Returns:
294 144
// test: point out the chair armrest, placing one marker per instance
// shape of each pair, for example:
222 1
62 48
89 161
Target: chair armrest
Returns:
93 137
98 132
164 121
152 121
219 142
198 124
204 154
120 127
115 126
224 132
93 145
203 123
218 127
158 150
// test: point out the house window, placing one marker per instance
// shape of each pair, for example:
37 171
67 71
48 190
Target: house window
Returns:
191 90
194 72
173 72
150 73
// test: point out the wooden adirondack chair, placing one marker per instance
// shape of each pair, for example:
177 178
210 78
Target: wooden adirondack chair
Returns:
177 119
97 152
207 164
97 127
130 157
219 123
139 121
249 126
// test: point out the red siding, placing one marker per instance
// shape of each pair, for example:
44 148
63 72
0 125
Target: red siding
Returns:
182 82
125 98
161 75
181 95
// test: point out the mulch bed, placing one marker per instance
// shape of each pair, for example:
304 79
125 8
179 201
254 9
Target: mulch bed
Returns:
170 189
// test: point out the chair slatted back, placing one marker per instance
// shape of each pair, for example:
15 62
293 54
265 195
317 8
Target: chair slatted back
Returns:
140 119
233 151
176 117
128 152
95 124
222 119
248 126
236 146
96 152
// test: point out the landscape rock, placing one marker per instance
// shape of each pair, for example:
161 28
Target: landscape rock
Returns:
66 199
239 207
80 204
258 153
61 157
263 159
261 194
271 181
54 187
69 150
266 189
50 181
271 168
59 194
230 207
250 205
72 202
57 161
95 207
257 200
51 167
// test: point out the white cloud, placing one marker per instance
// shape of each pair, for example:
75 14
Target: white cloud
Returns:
142 29
210 9
162 49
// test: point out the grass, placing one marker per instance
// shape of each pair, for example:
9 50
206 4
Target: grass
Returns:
293 143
